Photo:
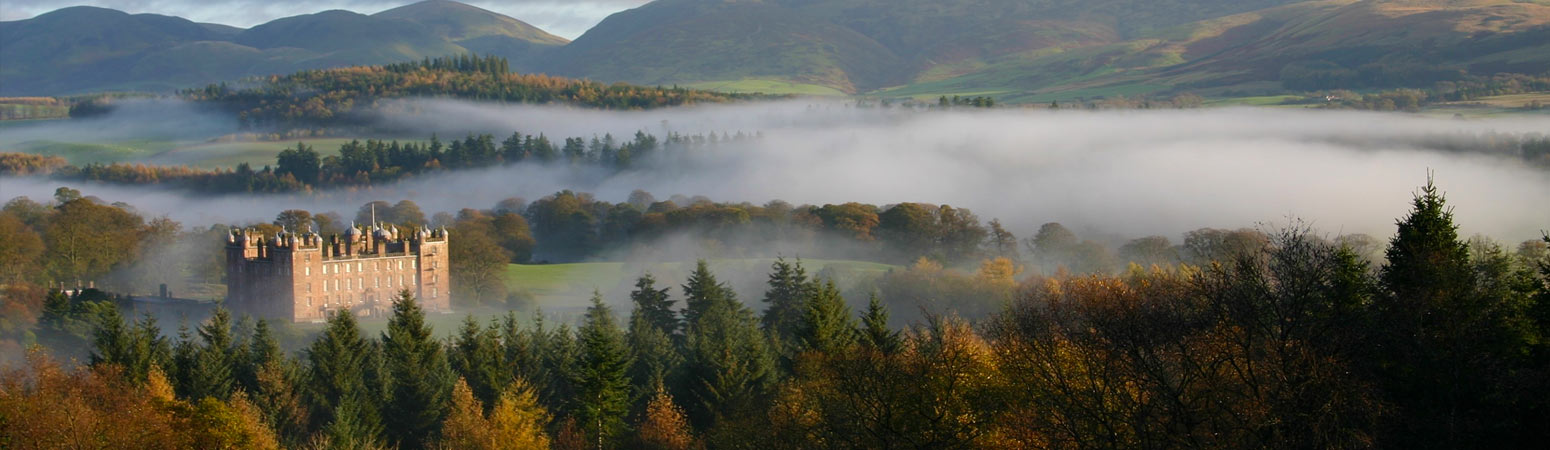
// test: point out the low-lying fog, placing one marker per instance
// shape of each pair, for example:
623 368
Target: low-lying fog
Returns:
1126 172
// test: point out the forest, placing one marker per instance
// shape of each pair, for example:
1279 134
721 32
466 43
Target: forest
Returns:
1280 338
341 97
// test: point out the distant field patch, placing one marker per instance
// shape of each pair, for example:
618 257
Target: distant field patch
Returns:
766 87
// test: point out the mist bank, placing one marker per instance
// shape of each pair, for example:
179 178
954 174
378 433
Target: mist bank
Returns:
1124 172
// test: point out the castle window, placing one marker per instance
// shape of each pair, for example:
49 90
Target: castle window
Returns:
360 282
433 292
309 301
358 267
309 271
336 284
400 264
376 282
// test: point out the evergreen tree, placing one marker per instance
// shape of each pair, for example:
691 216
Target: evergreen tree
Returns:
701 291
339 385
826 322
477 356
1445 347
655 356
783 315
653 305
602 386
728 366
876 333
263 350
421 378
135 350
211 373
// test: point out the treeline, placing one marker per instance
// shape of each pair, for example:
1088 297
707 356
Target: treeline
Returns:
1298 343
360 164
335 97
1413 99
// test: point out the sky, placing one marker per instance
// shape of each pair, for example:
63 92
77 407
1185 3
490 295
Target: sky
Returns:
566 18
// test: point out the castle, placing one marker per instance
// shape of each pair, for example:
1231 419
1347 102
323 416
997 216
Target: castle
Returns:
303 277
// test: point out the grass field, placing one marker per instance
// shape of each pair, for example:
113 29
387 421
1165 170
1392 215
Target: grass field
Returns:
776 87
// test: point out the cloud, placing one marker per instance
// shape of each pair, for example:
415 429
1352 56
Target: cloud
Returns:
567 18
1131 173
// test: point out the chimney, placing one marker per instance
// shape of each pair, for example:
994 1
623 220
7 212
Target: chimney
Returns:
164 290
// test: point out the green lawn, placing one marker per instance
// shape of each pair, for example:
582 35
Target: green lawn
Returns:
766 87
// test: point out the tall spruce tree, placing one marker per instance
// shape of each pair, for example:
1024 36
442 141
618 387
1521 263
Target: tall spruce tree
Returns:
421 378
701 291
339 389
728 365
785 300
135 350
876 333
1445 347
653 305
477 356
600 378
826 325
211 374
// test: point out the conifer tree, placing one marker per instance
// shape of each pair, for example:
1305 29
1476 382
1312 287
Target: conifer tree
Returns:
653 305
477 356
211 373
701 291
420 377
263 350
135 350
654 355
826 324
728 365
600 379
339 385
517 420
788 290
876 333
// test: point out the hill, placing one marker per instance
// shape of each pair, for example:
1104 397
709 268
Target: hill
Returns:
1038 50
85 49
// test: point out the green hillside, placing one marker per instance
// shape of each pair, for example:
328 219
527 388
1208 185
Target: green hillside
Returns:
88 49
681 41
1014 50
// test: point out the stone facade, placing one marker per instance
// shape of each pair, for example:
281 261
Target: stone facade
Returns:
302 277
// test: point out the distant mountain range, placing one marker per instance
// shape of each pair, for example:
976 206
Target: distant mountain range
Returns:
1016 50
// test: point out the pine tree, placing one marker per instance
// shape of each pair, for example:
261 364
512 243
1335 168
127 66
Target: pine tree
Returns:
701 291
826 322
789 289
728 366
338 383
517 420
653 305
421 379
876 333
211 372
477 356
602 386
654 354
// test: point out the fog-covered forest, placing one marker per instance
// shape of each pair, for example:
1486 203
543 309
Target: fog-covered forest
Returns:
1283 337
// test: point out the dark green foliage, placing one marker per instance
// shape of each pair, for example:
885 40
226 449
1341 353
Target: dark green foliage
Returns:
210 373
876 334
1446 341
826 325
600 378
785 299
477 356
653 306
134 349
421 380
728 367
341 386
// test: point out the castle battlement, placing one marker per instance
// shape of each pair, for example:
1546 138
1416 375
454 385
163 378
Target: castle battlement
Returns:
302 276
